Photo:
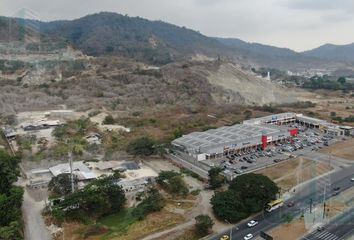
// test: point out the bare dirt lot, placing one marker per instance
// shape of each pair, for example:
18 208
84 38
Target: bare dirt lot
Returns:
293 230
294 172
343 149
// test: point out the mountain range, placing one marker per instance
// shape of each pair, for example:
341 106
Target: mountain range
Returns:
157 42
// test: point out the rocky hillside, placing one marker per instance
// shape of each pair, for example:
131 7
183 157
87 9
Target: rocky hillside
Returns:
121 84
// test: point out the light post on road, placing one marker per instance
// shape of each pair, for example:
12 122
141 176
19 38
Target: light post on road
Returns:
230 229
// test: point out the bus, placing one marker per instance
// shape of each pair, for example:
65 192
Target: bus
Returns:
274 205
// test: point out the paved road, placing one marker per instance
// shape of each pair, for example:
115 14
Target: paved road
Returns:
340 228
313 190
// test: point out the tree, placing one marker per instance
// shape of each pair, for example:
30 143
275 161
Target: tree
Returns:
98 198
10 198
177 185
229 206
8 171
61 184
203 225
142 146
255 189
342 80
247 194
153 202
216 180
108 120
165 176
173 182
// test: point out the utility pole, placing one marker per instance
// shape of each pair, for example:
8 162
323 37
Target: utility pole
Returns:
71 172
324 201
230 229
310 205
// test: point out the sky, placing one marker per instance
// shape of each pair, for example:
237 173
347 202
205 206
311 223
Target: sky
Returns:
296 24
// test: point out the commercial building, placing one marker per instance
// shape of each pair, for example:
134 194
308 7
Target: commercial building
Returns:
255 133
218 142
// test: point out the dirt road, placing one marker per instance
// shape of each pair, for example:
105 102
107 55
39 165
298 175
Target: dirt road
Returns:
35 228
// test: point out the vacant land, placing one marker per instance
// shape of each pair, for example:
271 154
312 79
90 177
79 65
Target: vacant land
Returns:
343 149
293 230
294 172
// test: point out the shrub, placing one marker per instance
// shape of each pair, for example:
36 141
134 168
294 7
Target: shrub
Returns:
108 120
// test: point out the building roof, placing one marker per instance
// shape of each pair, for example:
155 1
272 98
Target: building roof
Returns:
312 120
79 169
105 165
226 135
274 117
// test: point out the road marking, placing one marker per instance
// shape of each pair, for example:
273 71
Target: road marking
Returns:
325 235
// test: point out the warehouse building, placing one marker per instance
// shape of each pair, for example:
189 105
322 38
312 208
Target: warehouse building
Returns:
255 133
216 143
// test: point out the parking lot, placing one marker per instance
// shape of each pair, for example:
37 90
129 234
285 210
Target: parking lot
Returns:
307 140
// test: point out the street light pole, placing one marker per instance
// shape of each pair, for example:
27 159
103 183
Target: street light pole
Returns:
230 229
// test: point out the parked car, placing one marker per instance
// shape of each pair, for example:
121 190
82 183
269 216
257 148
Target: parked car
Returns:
244 167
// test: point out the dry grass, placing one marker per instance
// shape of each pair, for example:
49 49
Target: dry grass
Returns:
293 230
187 235
343 149
280 170
294 172
153 223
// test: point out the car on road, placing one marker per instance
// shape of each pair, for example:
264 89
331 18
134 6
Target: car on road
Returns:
291 204
244 167
225 237
336 188
248 236
352 179
252 223
320 228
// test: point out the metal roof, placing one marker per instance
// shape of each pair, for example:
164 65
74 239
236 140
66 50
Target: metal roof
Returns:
225 135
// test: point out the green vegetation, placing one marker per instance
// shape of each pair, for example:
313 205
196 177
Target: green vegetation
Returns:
216 180
10 66
349 119
190 173
152 202
120 222
60 185
173 182
108 120
203 225
247 194
96 199
325 82
10 198
143 146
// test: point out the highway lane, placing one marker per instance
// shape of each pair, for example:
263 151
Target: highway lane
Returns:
339 228
302 198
